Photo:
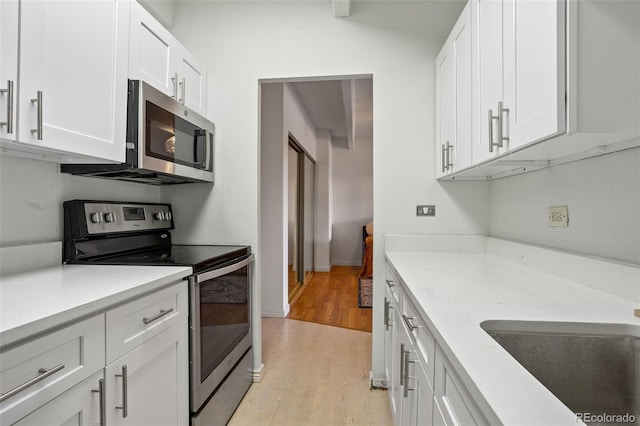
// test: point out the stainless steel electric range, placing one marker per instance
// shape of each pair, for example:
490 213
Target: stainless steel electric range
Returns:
220 346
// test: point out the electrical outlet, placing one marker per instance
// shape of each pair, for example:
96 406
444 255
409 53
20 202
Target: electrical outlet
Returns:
558 216
428 210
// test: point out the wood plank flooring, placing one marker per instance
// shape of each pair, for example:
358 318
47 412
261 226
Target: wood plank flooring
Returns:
331 298
314 375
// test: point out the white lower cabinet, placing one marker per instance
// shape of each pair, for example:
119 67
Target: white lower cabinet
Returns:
79 406
424 389
60 378
147 386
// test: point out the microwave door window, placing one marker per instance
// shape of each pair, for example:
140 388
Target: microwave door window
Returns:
186 143
160 133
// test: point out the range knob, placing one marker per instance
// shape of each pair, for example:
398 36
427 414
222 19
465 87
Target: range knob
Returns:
110 217
159 216
96 217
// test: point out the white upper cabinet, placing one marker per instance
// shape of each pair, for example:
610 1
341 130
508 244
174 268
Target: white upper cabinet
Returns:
518 73
156 57
453 99
534 70
552 82
8 67
73 76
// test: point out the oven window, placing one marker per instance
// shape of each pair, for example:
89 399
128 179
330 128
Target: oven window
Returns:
224 317
170 138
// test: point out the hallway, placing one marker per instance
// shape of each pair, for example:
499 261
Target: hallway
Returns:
314 375
331 298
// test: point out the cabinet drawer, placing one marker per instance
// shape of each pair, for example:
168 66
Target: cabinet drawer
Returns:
456 404
130 325
45 367
393 284
424 340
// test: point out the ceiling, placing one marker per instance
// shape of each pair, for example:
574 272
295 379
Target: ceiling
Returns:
342 107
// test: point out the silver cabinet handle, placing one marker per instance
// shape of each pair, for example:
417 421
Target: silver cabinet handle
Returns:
174 80
407 361
391 283
407 321
501 137
125 406
43 373
444 167
159 315
183 86
386 314
9 92
102 402
402 351
448 149
491 142
38 129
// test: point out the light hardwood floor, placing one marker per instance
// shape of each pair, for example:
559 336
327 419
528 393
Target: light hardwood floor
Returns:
332 298
314 375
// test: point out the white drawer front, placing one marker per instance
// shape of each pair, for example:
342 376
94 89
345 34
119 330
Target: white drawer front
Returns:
130 325
47 366
424 340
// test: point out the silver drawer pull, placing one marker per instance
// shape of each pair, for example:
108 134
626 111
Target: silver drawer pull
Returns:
408 321
162 313
9 92
101 401
43 374
38 129
391 283
125 400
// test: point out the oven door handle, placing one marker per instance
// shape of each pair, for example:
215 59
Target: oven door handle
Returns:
205 276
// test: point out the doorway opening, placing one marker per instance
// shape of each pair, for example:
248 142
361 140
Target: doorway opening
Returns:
301 194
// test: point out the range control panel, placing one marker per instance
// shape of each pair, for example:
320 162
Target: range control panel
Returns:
108 217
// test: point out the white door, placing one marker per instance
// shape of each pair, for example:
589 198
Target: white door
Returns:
461 46
152 52
193 83
8 68
79 406
445 109
534 70
154 378
73 76
487 75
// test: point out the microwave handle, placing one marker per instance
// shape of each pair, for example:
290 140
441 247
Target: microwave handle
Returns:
199 149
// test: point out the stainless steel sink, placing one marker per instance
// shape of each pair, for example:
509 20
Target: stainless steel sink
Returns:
591 368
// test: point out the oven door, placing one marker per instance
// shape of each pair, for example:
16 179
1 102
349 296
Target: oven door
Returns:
220 327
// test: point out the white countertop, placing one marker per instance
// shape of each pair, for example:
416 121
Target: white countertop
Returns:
458 291
36 301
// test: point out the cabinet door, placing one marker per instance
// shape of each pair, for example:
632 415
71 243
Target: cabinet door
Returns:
424 397
74 55
534 70
8 68
149 385
487 75
395 393
79 406
192 82
445 108
461 46
152 52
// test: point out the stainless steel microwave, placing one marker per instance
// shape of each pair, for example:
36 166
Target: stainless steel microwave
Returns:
167 143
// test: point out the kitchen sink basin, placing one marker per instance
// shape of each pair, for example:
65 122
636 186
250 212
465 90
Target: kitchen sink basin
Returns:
591 368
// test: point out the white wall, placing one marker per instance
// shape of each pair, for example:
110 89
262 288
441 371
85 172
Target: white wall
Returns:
603 196
324 201
352 201
394 41
33 192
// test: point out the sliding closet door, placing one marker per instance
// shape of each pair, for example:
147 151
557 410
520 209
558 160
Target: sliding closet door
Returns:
293 220
309 216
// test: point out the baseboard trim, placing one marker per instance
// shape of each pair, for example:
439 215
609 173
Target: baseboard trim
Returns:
258 375
276 314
